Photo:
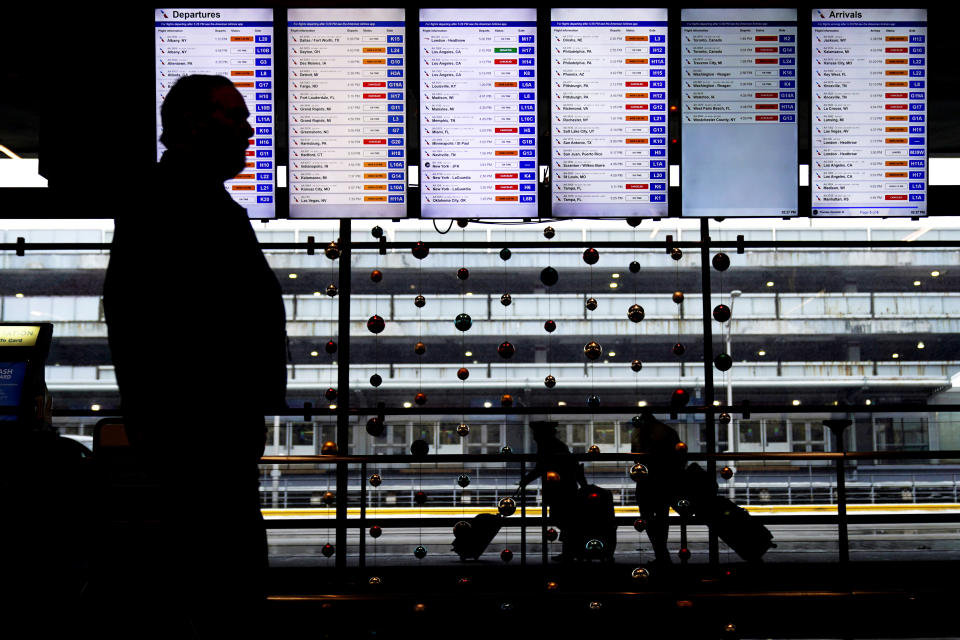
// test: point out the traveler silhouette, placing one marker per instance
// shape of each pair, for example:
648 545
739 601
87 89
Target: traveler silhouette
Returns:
658 488
196 328
562 476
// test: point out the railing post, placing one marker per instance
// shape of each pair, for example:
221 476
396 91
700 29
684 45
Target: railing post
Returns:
343 396
708 416
838 427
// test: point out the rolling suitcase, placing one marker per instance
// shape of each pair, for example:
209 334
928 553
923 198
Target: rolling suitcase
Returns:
597 524
733 524
473 541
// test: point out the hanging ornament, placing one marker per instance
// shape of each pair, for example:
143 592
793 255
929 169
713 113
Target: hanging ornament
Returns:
506 555
419 448
463 322
723 362
463 429
463 480
329 448
634 267
679 398
640 525
591 304
549 276
505 254
636 421
505 449
721 313
420 398
507 507
377 232
376 531
327 550
375 480
549 382
640 574
506 350
463 373
683 507
678 297
596 605
549 232
638 472
506 299
330 394
680 447
420 498
593 401
376 380
552 478
726 473
591 256
594 449
375 426
633 221
329 497
593 548
376 324
635 313
420 552
506 400
461 529
636 365
721 262
330 347
332 251
592 350
376 275
724 418
463 582
549 326
684 554
419 301
676 253
552 586
679 349
332 290
375 581
419 348
552 535
420 250
463 273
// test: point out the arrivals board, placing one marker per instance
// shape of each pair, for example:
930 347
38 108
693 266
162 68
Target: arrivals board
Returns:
738 89
869 112
478 113
346 91
237 44
609 112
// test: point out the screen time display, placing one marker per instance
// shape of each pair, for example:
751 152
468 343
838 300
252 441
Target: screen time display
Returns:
869 112
609 112
739 112
347 113
478 113
236 44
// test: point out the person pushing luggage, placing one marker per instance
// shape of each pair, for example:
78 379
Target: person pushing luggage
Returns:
658 488
562 476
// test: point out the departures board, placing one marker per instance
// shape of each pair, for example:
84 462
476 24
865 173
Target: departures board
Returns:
609 112
347 113
237 44
617 91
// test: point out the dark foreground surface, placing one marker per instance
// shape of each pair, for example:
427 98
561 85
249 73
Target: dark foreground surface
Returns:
919 599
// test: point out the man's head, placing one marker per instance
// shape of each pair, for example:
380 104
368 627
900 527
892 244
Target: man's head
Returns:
204 119
543 430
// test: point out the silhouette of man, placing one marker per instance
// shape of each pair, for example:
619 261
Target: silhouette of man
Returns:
561 477
656 491
196 328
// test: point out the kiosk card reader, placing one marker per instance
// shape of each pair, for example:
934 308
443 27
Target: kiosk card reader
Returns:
23 390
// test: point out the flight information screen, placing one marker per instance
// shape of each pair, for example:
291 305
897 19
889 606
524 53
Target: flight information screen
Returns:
609 112
869 112
236 44
478 113
739 112
347 118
